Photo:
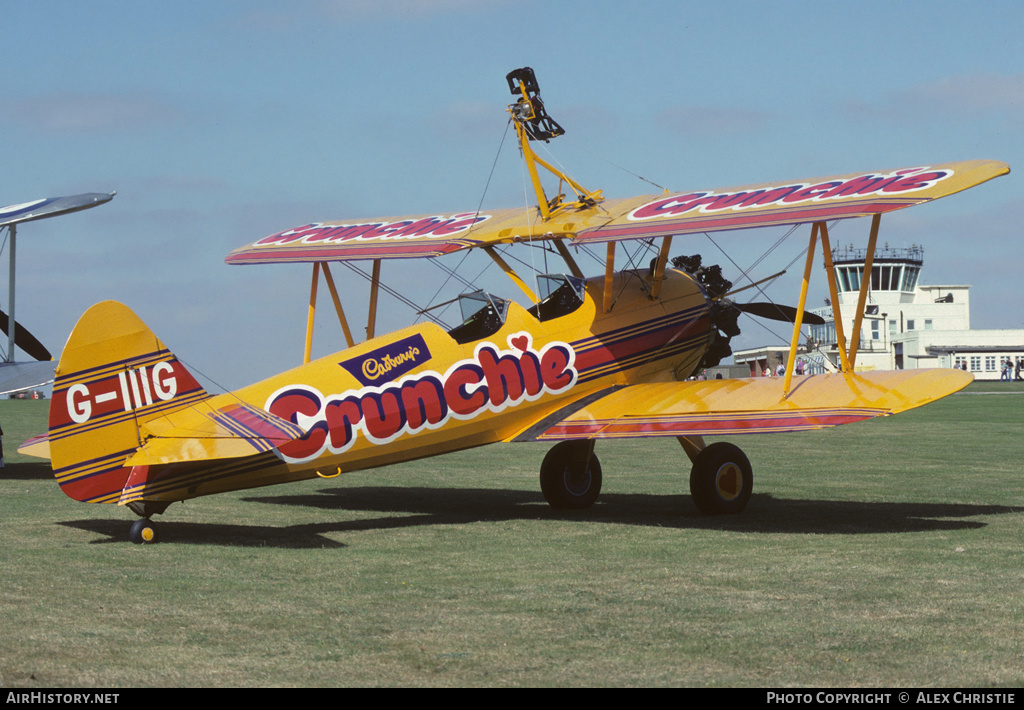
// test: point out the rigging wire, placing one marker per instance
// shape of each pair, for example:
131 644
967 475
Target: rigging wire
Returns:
479 208
601 156
387 289
745 274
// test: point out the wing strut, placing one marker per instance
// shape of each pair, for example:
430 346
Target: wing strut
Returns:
311 313
798 320
833 290
659 270
496 257
569 261
311 316
371 319
847 357
337 305
609 275
863 295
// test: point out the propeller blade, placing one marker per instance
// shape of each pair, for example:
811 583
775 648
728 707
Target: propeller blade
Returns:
774 311
25 340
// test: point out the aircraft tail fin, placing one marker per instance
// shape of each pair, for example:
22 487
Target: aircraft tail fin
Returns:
114 375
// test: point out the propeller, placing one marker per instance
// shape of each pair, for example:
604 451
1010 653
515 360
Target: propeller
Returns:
24 339
724 312
774 311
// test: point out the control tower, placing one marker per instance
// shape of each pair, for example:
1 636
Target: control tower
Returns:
908 325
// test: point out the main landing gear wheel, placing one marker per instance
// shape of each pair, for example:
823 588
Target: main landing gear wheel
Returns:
570 476
721 480
143 532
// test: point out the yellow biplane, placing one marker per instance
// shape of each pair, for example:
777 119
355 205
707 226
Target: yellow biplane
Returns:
610 356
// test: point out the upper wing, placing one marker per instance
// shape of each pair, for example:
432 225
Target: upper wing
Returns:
748 406
769 204
797 202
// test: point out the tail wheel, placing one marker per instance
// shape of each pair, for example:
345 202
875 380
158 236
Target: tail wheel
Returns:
570 476
143 532
721 480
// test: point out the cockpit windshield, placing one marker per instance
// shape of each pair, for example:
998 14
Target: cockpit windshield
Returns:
560 295
482 314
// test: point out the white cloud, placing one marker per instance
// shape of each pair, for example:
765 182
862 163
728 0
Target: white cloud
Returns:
87 113
966 95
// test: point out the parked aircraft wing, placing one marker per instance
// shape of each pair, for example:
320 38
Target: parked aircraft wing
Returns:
762 205
748 406
15 376
51 207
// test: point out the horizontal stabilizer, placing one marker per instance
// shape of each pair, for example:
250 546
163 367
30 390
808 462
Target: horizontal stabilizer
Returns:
38 446
751 405
206 431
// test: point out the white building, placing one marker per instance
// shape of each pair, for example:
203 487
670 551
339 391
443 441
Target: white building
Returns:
906 325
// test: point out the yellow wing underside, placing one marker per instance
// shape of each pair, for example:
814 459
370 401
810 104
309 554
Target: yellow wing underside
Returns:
749 406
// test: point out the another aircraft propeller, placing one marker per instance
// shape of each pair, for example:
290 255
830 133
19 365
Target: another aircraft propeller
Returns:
24 339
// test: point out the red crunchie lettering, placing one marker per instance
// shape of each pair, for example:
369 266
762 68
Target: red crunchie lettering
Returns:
492 380
906 180
406 229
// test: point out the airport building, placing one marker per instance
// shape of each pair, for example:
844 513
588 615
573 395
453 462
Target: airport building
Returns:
906 325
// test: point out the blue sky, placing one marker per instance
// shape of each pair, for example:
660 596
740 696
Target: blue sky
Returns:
222 122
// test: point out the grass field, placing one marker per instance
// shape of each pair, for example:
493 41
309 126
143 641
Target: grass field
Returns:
886 553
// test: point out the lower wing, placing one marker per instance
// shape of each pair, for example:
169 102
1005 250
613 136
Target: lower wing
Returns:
746 406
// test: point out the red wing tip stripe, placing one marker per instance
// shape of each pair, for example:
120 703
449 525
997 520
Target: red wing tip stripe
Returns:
673 424
255 422
351 253
256 427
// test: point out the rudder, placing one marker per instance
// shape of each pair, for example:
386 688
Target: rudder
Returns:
113 375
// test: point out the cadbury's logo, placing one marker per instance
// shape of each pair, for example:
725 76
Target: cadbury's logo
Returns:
426 227
388 362
490 381
901 181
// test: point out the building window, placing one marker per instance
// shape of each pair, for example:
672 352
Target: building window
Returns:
975 363
961 362
990 363
927 323
892 327
849 278
910 277
894 283
875 331
910 324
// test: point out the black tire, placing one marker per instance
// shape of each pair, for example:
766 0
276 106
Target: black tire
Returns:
143 532
570 476
721 480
